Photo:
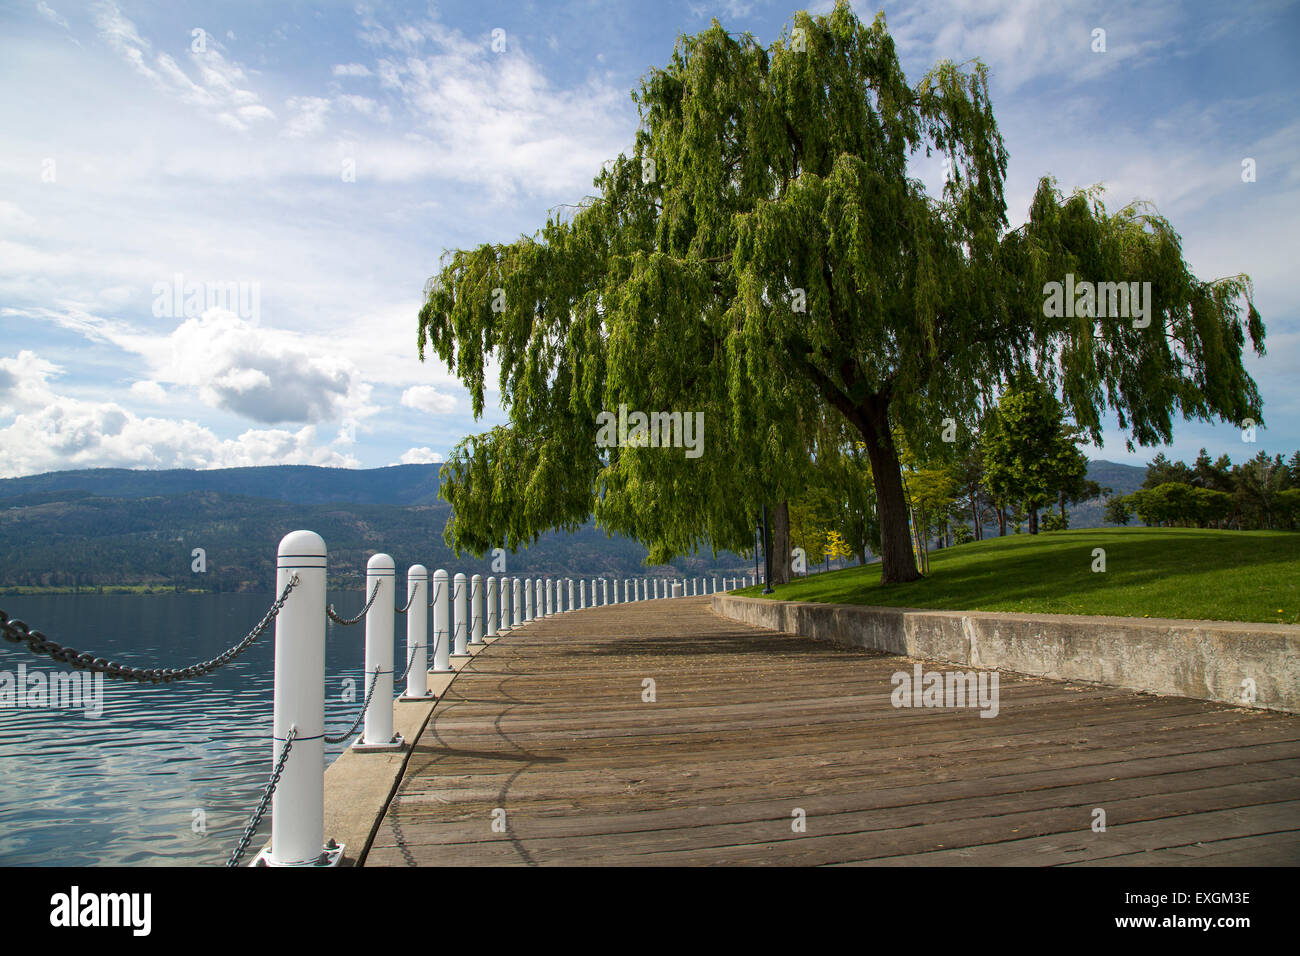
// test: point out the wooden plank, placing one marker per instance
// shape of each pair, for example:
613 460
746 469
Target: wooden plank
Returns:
548 724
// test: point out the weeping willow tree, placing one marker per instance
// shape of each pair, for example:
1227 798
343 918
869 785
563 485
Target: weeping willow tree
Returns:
763 257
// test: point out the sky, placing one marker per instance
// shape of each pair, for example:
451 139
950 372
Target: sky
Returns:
217 220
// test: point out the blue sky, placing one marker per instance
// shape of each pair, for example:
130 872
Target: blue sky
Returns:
319 159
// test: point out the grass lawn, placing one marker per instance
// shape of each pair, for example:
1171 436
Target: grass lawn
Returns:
1150 572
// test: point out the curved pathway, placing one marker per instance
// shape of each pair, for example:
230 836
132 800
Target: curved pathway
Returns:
763 748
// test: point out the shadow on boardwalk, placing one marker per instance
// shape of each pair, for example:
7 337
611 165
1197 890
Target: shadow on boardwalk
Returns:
749 727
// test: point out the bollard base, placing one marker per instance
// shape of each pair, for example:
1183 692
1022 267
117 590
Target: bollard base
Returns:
427 695
330 855
397 743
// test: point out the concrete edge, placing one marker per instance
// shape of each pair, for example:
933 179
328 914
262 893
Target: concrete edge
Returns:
360 786
1205 660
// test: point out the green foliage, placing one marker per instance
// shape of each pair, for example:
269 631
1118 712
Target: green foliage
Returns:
1029 454
1119 510
1252 495
764 258
1055 522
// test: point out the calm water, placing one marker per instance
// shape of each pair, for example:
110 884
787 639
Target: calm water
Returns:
124 787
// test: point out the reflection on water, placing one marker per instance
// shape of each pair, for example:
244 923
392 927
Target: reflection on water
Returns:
129 786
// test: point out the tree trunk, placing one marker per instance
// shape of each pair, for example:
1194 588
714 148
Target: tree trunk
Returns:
1033 520
897 564
1002 521
780 533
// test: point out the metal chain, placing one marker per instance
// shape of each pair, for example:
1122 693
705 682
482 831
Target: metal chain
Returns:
398 679
265 802
16 632
409 601
361 716
333 615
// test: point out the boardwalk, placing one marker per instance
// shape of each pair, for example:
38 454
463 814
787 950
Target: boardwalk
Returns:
549 725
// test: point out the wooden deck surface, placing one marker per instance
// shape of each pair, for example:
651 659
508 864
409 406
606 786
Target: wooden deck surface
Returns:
548 725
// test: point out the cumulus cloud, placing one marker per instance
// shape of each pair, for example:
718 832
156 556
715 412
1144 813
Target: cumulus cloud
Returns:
426 398
149 391
420 456
51 431
262 374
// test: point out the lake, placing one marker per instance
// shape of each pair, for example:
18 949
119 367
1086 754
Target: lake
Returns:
166 774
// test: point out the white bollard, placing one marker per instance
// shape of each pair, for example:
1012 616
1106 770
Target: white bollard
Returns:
460 616
490 629
582 593
516 598
677 589
377 730
441 621
298 804
417 634
476 609
528 599
604 591
550 607
503 621
571 604
541 602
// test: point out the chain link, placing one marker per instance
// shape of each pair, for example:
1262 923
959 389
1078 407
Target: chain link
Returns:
346 622
361 716
398 679
16 632
265 802
409 601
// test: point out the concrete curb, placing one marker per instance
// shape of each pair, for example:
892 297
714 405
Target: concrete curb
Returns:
1206 660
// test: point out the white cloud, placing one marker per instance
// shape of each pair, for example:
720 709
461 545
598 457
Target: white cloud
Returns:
149 390
420 456
51 431
223 93
263 374
426 398
351 69
310 118
490 118
51 14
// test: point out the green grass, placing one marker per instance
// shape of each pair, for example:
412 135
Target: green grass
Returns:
1150 572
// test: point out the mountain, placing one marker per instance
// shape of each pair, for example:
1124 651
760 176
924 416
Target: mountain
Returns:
303 484
115 527
1120 479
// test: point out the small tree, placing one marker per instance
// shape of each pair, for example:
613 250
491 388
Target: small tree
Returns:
1119 510
1028 451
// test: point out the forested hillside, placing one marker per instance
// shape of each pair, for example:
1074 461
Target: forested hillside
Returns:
112 527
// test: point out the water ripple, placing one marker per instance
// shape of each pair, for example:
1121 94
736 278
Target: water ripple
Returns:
123 788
